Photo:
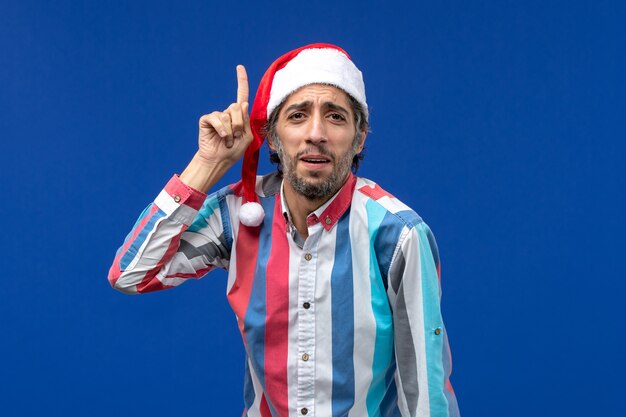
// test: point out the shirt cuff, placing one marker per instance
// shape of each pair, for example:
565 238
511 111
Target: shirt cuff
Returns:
180 201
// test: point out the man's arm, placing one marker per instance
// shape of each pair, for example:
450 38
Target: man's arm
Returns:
150 258
421 344
160 252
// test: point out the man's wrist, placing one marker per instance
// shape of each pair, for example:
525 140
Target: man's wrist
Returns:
201 173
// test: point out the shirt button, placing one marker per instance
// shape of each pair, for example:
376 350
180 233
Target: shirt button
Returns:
308 256
304 411
438 331
328 220
306 305
177 198
305 357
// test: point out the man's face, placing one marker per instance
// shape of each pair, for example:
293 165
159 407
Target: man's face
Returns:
317 140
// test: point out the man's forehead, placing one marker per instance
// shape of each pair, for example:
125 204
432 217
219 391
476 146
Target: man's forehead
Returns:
325 93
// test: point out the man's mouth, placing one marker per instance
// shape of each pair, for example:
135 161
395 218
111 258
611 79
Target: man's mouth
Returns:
315 159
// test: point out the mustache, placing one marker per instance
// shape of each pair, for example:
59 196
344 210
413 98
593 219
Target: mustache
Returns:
317 149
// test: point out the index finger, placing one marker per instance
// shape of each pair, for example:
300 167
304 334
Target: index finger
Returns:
242 84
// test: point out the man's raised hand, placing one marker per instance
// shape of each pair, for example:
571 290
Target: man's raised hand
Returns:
222 139
224 136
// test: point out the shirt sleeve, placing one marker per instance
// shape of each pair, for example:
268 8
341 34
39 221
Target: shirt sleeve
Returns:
177 237
421 344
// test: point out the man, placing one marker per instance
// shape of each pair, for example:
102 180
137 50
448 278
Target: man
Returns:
334 282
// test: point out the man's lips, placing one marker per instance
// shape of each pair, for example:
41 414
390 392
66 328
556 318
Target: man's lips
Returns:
315 159
315 162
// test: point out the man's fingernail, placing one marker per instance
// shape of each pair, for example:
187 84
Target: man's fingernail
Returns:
237 135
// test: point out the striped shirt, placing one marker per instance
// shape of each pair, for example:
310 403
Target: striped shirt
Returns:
346 322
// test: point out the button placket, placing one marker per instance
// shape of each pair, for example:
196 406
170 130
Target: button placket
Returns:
306 323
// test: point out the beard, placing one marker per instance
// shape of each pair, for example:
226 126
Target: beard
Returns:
323 188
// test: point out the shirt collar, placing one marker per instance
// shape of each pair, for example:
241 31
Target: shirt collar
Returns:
331 211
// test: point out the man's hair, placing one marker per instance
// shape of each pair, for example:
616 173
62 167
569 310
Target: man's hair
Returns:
360 122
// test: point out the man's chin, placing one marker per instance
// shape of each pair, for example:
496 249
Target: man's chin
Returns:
312 188
313 177
313 174
315 188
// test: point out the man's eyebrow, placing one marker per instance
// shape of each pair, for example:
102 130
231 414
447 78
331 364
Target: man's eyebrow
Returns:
308 103
299 106
336 107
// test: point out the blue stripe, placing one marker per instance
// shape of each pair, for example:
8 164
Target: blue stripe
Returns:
141 216
254 322
141 237
383 346
385 243
453 407
342 304
389 405
432 320
410 217
226 224
248 387
208 208
433 246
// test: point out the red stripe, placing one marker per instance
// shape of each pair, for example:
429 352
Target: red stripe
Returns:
197 274
265 409
449 386
115 271
237 188
375 192
339 205
277 316
247 249
188 196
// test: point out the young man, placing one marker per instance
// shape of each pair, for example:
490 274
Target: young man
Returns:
334 282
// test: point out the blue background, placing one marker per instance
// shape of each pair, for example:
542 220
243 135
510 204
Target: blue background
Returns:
500 122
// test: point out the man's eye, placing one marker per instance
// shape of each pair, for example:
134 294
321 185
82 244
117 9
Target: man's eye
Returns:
296 116
337 117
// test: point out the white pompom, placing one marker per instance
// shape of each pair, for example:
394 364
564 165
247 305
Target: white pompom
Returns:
251 214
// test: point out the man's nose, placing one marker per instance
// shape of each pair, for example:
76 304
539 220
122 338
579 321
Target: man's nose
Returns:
317 129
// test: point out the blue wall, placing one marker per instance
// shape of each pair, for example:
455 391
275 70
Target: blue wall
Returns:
500 122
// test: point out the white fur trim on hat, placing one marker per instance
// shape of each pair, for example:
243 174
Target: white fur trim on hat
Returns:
317 66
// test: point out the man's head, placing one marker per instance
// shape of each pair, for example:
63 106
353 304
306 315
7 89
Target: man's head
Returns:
360 122
311 105
317 135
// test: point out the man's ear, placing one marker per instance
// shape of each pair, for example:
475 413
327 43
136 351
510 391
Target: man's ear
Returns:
270 145
362 144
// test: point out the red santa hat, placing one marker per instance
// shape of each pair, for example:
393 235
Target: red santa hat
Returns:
318 63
